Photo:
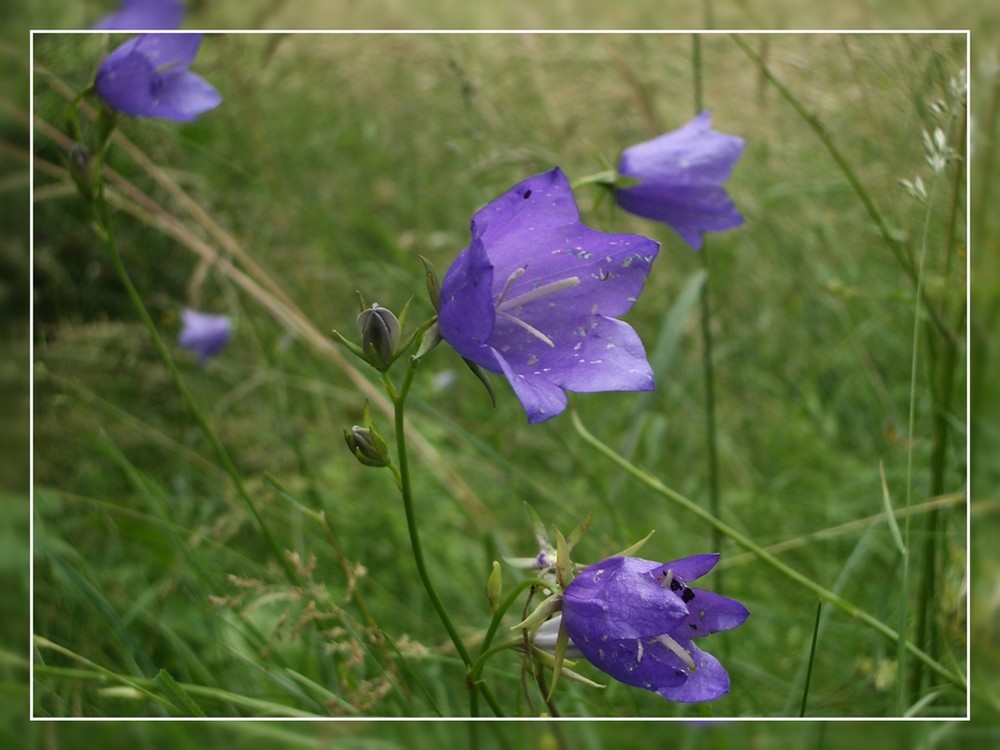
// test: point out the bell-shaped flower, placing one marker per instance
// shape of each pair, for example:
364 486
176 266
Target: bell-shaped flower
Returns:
635 619
144 15
204 334
536 296
148 76
680 179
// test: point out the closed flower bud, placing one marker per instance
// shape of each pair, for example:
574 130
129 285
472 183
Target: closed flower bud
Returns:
367 445
379 331
83 170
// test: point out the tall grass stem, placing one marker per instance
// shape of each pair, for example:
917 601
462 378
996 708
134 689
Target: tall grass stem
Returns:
763 555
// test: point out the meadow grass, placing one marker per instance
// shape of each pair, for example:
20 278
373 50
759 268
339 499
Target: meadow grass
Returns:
333 163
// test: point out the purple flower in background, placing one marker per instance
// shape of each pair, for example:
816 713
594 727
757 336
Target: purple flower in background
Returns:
634 620
148 77
681 176
536 293
144 15
204 333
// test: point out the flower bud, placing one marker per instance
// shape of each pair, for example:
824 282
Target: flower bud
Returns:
367 445
494 586
379 331
83 170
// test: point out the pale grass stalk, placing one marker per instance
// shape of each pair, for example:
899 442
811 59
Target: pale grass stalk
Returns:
131 199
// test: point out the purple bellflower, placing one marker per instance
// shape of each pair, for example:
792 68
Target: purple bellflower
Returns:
634 620
204 333
536 296
148 76
681 176
144 15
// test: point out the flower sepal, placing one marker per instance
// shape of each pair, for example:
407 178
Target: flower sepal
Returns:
483 378
545 609
433 283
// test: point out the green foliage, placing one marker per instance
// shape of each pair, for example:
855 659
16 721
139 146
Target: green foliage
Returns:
335 162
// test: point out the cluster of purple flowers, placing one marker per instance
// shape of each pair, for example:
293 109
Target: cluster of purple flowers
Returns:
537 296
148 76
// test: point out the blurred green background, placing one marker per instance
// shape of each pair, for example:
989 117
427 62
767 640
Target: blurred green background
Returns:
443 230
335 161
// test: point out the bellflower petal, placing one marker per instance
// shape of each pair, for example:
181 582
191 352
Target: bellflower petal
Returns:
148 77
144 15
536 297
681 176
204 333
620 598
634 620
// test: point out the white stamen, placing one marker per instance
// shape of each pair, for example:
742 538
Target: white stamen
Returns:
535 294
677 649
510 280
667 579
528 327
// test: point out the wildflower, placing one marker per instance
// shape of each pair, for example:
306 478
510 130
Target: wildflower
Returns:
680 175
148 76
634 619
536 293
204 333
145 15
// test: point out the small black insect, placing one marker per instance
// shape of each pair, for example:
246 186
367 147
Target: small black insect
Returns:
527 194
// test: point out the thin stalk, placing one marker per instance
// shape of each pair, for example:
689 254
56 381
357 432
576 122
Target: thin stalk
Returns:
708 366
943 362
103 218
405 489
763 555
812 659
895 246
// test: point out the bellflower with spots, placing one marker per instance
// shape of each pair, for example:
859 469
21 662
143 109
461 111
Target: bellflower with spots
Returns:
148 76
144 15
635 619
680 180
536 296
204 333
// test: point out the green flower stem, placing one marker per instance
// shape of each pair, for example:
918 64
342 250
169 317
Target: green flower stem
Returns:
102 215
607 177
763 555
402 473
708 366
506 603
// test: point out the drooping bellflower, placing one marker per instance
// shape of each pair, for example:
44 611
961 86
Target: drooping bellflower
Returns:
681 176
144 15
536 296
635 619
148 76
204 333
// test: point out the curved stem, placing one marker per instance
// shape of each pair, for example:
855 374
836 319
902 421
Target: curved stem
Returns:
763 555
103 218
405 489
